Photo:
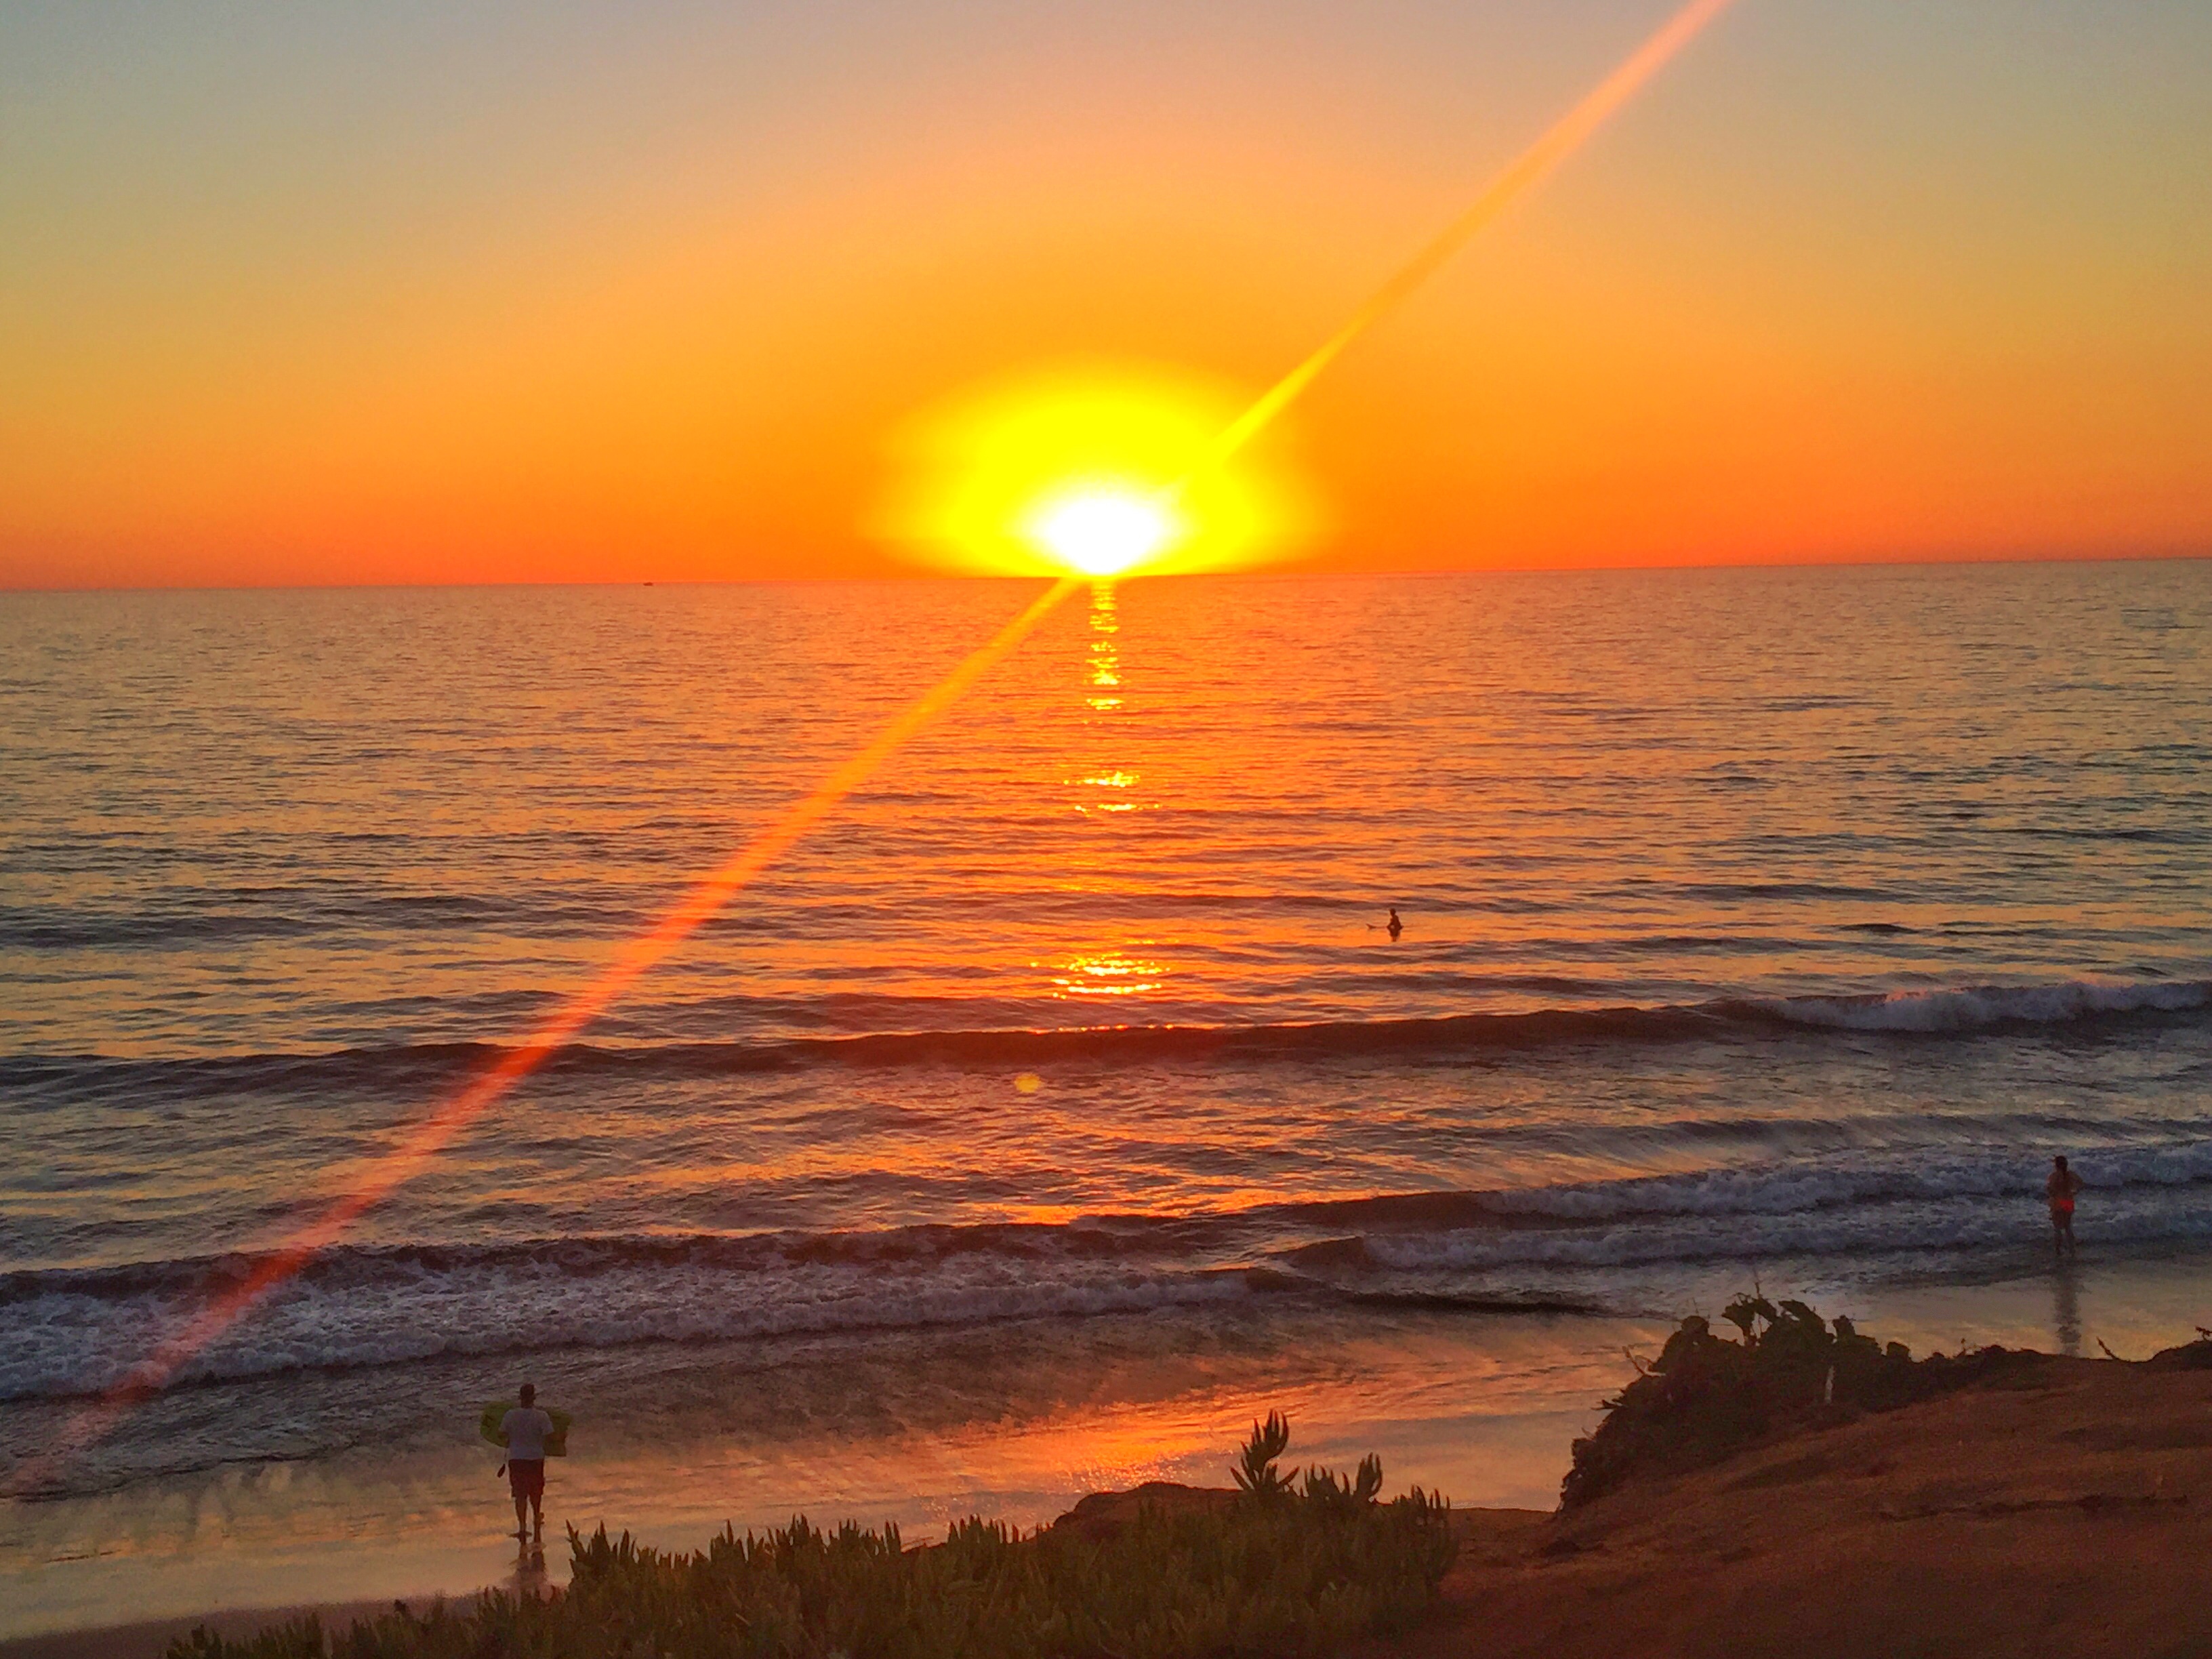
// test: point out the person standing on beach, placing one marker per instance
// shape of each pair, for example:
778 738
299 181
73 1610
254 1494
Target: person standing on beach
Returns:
524 1431
2060 1188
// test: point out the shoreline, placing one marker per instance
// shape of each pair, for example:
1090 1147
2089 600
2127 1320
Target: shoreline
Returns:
2059 1504
1500 1399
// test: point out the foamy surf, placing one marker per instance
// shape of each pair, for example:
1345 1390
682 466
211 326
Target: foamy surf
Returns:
1982 1007
1587 1244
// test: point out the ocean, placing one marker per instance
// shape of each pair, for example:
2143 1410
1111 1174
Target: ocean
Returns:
1062 1102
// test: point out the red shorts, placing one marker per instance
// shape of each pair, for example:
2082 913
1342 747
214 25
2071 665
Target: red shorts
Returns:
527 1476
2063 1210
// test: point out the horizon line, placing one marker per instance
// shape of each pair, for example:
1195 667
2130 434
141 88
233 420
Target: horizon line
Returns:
1278 573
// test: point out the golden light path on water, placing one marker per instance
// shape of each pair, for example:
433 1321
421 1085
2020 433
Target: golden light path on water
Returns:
707 898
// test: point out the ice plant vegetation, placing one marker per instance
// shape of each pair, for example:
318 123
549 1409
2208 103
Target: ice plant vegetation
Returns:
1706 1398
1286 1566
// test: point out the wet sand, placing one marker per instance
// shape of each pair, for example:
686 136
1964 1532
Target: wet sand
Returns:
2065 1508
1484 1409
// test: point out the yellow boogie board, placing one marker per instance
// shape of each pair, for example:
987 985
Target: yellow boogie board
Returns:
556 1443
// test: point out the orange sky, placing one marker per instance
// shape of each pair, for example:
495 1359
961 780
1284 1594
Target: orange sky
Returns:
555 295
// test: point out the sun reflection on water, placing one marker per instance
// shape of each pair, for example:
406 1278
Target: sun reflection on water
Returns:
1104 699
1107 973
1109 780
1105 654
1104 785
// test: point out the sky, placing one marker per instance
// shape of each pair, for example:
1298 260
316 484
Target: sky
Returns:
309 294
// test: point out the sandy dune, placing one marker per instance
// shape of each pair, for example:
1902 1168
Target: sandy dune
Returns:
2065 1509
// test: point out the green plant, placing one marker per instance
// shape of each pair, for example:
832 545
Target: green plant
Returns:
1706 1397
1325 1491
1304 1572
1254 1470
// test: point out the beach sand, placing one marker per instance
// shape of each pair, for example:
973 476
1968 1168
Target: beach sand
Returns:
2064 1507
1483 1408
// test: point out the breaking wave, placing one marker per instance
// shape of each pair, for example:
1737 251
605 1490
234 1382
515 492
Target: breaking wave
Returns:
1960 1011
72 1331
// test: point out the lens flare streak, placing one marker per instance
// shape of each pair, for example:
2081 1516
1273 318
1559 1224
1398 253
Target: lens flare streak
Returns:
1529 169
1106 533
432 1133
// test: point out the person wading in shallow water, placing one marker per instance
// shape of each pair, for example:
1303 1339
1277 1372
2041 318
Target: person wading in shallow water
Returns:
1394 926
524 1431
2060 1188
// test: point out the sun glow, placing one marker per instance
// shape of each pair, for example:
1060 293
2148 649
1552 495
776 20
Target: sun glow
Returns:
977 475
1094 471
1104 531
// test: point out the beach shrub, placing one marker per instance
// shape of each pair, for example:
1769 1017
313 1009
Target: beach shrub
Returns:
1285 1567
1706 1398
1255 1471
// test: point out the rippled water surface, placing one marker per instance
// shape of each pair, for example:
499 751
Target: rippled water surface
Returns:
1755 921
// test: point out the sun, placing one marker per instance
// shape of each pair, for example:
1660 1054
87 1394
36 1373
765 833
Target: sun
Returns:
1092 469
1104 531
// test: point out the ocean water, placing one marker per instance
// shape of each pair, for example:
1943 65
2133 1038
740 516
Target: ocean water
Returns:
1758 925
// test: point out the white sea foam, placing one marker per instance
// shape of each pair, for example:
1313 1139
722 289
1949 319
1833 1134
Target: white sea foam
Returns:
1955 1229
1978 1007
66 1343
1797 1188
67 1333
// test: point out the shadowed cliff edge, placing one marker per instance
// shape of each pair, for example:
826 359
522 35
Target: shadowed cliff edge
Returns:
2031 1505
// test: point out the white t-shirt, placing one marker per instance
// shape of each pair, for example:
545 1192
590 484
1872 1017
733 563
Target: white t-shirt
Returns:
525 1428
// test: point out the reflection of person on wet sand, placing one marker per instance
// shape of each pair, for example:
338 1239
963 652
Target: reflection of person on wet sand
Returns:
2066 1306
530 1579
2060 1188
524 1432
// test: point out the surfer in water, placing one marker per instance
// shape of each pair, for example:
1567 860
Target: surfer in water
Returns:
524 1431
1394 926
2060 1188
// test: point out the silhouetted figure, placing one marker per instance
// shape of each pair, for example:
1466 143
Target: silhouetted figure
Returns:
2060 1188
1394 926
524 1432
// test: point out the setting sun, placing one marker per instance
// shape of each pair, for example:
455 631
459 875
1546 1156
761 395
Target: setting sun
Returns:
1094 471
914 764
1104 531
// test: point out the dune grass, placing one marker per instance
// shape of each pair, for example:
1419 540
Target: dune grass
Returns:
1291 1565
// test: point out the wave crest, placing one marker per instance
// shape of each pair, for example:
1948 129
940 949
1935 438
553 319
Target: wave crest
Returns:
1961 1010
68 1331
